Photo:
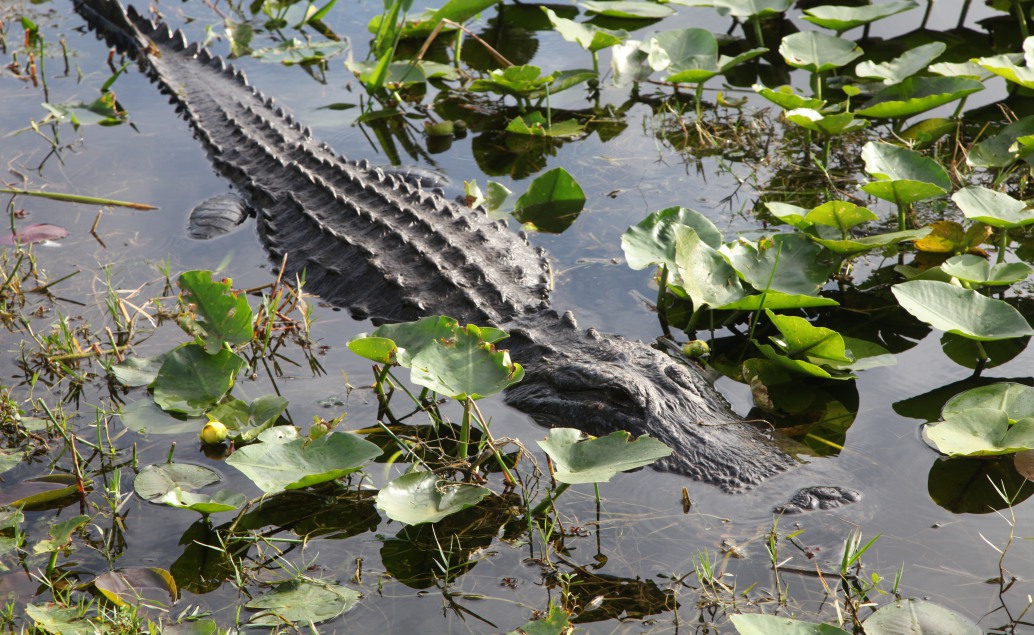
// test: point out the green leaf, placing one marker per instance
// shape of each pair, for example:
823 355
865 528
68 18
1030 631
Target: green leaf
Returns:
588 36
981 432
801 340
972 354
302 602
422 25
918 617
918 94
785 97
246 421
535 125
1000 149
899 69
976 269
379 349
60 534
552 203
961 311
651 241
134 586
692 55
284 460
777 302
1009 66
53 618
191 381
759 624
831 125
580 458
854 246
840 19
423 497
817 52
156 480
705 275
217 314
221 501
751 9
134 372
556 622
518 81
464 366
841 215
628 9
790 214
904 176
996 209
143 416
40 491
789 263
294 51
1015 400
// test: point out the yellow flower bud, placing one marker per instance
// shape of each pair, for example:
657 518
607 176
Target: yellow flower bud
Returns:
214 432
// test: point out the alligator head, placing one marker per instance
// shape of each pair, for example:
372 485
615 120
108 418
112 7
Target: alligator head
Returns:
602 383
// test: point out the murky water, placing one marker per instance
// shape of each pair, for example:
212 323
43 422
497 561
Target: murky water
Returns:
642 530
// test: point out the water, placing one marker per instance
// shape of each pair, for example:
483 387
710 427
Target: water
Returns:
642 529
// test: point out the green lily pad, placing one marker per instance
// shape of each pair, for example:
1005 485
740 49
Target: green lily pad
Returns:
60 534
785 97
961 311
302 602
899 69
981 432
949 237
1011 67
651 241
628 9
580 458
802 340
1000 149
918 617
966 352
285 460
1015 400
421 26
145 417
904 176
11 536
191 381
56 619
996 209
840 19
156 480
975 269
221 501
138 585
918 94
789 263
424 497
588 36
217 314
704 274
818 52
552 203
535 125
246 421
854 246
831 125
555 622
760 624
777 302
692 55
134 372
518 81
751 9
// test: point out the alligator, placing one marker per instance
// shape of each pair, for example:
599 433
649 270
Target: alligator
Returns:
386 248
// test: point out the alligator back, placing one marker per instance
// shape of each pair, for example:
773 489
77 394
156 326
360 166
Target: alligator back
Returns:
375 243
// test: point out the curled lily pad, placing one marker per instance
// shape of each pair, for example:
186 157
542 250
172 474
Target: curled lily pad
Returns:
918 94
751 9
832 125
1011 67
843 18
138 585
580 458
704 274
588 36
651 241
901 68
785 97
40 491
777 302
221 501
217 315
981 432
818 52
903 176
996 209
976 269
636 9
789 263
60 534
424 497
302 602
961 311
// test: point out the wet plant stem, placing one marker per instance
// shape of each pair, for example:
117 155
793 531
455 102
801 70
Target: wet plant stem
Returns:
461 448
1003 244
662 311
75 198
547 502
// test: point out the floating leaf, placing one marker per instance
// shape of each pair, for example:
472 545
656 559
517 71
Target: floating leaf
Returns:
589 37
904 176
294 51
831 125
156 480
556 622
961 311
518 81
302 602
949 237
918 617
191 381
981 432
651 241
841 18
217 314
60 534
134 372
785 97
802 340
40 491
996 209
423 497
751 9
246 421
691 55
1015 400
817 52
284 460
899 69
628 9
704 274
975 486
777 302
552 202
138 585
221 501
918 94
580 458
789 263
972 354
978 270
853 246
1010 67
143 416
56 619
535 125
760 624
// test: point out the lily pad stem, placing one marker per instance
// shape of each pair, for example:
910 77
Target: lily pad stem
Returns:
662 311
461 448
1003 244
547 502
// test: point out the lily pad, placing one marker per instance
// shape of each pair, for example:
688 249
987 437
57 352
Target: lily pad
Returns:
703 273
628 9
831 125
843 18
1011 67
40 491
903 176
60 534
138 585
191 381
217 314
918 617
1000 149
760 624
917 95
789 263
981 432
221 501
961 311
651 241
818 52
245 421
1015 400
156 480
977 270
580 458
145 417
785 97
996 209
285 460
552 203
588 36
423 497
777 302
134 372
899 69
56 619
302 602
751 9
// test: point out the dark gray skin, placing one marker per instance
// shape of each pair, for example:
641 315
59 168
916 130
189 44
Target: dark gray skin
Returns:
818 497
383 247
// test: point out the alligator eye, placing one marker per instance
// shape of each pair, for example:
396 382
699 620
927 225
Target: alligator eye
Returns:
619 396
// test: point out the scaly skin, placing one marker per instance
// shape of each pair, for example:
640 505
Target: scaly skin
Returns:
383 247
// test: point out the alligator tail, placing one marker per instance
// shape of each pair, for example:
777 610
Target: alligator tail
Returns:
108 18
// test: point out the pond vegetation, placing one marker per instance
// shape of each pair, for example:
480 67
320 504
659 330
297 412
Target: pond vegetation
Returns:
887 208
